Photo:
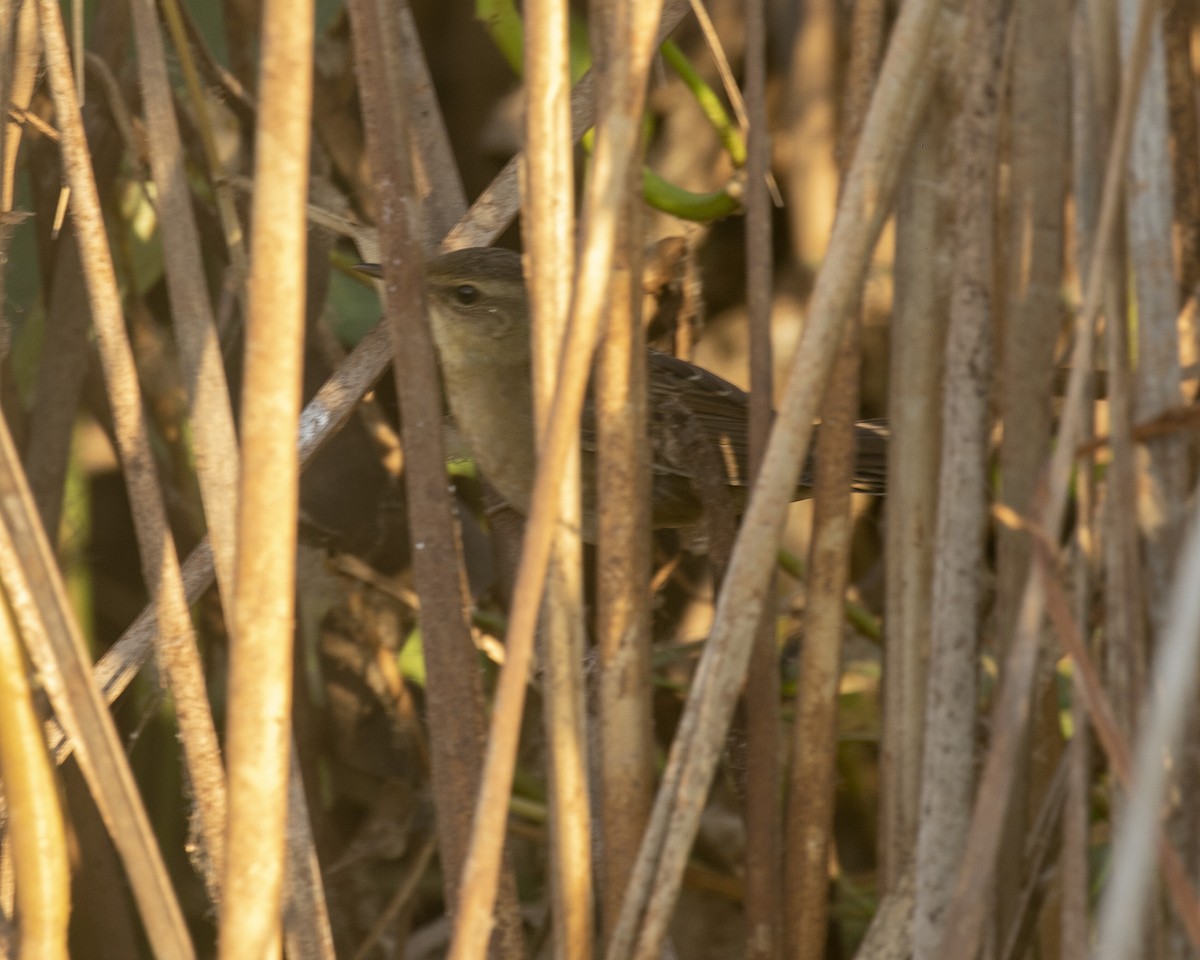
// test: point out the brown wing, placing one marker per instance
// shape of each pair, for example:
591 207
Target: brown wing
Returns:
721 411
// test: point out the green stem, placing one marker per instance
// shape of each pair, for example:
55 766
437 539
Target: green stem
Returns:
710 103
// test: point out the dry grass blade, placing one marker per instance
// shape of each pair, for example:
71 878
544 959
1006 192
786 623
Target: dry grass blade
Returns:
260 672
1100 711
52 638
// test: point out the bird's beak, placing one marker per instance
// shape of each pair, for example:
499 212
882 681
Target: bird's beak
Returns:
370 269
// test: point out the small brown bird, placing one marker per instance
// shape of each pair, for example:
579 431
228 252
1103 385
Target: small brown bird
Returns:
698 422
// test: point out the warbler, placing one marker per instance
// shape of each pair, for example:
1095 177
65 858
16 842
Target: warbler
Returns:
698 423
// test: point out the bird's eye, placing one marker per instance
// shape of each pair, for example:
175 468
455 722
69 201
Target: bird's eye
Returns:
466 294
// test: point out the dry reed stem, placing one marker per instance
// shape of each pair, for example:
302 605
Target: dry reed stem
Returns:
1148 219
948 763
260 663
51 422
307 932
617 137
970 902
889 937
436 180
1073 857
548 233
176 645
811 799
35 830
905 83
456 705
437 567
17 87
1162 485
763 797
1029 282
211 413
624 724
623 678
623 562
916 346
814 739
1033 270
18 50
1124 622
1178 22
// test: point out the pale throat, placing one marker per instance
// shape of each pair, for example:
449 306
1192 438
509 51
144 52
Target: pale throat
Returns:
494 414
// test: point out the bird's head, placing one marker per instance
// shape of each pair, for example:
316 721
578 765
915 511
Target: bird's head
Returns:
477 306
